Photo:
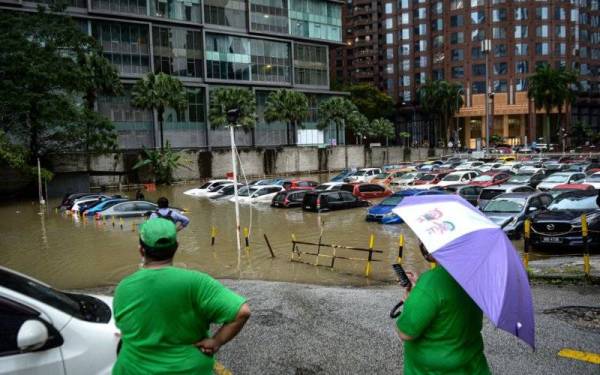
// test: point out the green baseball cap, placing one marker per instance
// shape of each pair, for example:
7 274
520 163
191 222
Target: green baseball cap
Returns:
158 233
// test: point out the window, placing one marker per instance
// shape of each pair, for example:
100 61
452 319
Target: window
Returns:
125 45
230 13
406 65
499 15
520 32
405 34
439 7
389 38
476 3
437 25
457 20
389 53
458 72
175 9
476 53
420 46
521 84
404 50
560 14
477 17
457 37
227 57
542 31
456 4
560 49
541 13
405 81
438 41
499 33
177 51
438 74
310 65
388 8
420 13
477 35
478 69
272 18
420 29
389 23
520 14
458 54
500 50
521 49
560 31
542 49
478 87
315 19
500 68
120 6
404 4
389 68
522 67
404 19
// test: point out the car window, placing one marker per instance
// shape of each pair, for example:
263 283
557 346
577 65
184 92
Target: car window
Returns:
347 187
287 185
125 207
523 189
12 316
140 206
347 197
467 191
297 197
333 197
546 200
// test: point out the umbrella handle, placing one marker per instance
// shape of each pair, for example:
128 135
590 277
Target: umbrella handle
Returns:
395 311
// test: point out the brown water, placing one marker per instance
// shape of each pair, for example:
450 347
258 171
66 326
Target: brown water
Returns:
67 252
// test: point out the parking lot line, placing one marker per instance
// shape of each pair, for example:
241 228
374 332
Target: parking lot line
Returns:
580 356
219 369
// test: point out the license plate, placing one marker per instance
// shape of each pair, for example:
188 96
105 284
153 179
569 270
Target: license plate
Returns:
307 207
276 204
551 239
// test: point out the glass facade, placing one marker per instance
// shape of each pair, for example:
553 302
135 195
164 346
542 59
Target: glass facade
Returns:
188 10
310 65
177 51
243 59
269 16
316 19
139 7
230 13
125 45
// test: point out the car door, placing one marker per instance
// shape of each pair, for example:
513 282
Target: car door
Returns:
143 208
348 200
42 361
124 210
377 191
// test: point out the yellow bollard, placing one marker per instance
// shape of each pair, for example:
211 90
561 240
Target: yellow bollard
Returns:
246 232
121 222
586 251
103 220
213 234
56 210
371 245
371 241
400 249
113 220
133 225
526 237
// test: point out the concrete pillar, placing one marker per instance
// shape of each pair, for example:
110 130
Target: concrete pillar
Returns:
505 132
522 128
483 130
467 127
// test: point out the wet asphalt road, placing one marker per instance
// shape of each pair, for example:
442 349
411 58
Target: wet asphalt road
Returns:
304 330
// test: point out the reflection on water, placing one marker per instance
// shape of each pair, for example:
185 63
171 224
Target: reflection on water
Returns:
69 252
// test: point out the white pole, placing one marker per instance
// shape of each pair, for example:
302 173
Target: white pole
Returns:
235 191
41 197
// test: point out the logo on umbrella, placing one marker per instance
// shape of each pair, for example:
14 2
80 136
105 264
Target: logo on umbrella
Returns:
437 226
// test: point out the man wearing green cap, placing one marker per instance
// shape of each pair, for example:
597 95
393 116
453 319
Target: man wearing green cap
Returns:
164 312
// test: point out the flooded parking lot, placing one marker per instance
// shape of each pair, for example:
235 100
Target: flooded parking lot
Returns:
67 252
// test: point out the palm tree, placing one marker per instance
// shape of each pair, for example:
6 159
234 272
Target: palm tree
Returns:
343 114
159 92
383 128
441 99
549 88
225 99
288 106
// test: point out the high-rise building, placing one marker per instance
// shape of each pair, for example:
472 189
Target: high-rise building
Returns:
416 40
261 45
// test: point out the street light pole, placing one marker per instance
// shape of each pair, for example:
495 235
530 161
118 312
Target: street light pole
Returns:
486 48
457 135
232 118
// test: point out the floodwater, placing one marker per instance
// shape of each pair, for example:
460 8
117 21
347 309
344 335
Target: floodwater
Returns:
66 252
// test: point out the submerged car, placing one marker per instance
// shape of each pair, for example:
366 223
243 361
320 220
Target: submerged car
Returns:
459 177
594 180
225 192
102 205
332 185
318 200
205 188
46 331
561 178
129 209
257 194
467 192
289 198
367 191
532 179
510 210
382 213
490 179
559 227
363 175
489 193
298 184
343 174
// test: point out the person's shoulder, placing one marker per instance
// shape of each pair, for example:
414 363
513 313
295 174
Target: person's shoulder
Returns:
433 276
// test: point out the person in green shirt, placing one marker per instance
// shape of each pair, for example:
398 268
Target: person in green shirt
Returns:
164 312
441 327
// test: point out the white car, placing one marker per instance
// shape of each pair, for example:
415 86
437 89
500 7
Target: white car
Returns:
257 194
406 180
46 331
205 188
217 190
560 178
363 175
89 198
459 177
488 167
330 186
468 165
594 180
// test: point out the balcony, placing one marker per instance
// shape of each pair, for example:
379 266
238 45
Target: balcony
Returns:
363 31
363 75
363 43
358 11
361 21
362 63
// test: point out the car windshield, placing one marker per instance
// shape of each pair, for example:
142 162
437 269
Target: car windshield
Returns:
428 177
358 173
245 191
452 177
483 178
519 178
505 205
408 176
322 187
574 202
204 186
557 178
392 201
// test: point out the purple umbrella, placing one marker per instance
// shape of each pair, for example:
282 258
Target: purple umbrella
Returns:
478 255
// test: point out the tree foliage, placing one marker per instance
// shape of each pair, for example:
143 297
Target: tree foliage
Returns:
159 92
288 106
441 99
382 128
44 72
162 163
370 101
225 99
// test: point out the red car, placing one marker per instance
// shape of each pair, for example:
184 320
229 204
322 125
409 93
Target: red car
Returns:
490 179
573 187
430 178
299 184
367 191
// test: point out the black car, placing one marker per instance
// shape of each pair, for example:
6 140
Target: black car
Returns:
288 198
559 227
331 200
467 192
510 210
531 179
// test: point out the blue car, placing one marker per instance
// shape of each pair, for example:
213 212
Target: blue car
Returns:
343 174
103 205
382 213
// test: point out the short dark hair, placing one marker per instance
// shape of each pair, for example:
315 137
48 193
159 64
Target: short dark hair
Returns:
159 254
162 202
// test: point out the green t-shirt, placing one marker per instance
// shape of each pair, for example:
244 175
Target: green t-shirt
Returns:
161 314
445 325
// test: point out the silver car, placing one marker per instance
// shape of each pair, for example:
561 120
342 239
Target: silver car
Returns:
560 178
130 209
491 192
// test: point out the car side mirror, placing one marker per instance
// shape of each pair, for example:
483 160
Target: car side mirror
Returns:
32 335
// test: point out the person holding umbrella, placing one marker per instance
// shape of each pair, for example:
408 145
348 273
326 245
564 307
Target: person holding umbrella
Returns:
441 326
479 272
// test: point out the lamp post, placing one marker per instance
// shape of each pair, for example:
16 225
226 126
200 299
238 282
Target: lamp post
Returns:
457 135
486 48
233 116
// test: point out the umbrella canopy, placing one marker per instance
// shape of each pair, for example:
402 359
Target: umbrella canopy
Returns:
478 255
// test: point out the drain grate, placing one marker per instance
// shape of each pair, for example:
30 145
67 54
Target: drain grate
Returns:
585 317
